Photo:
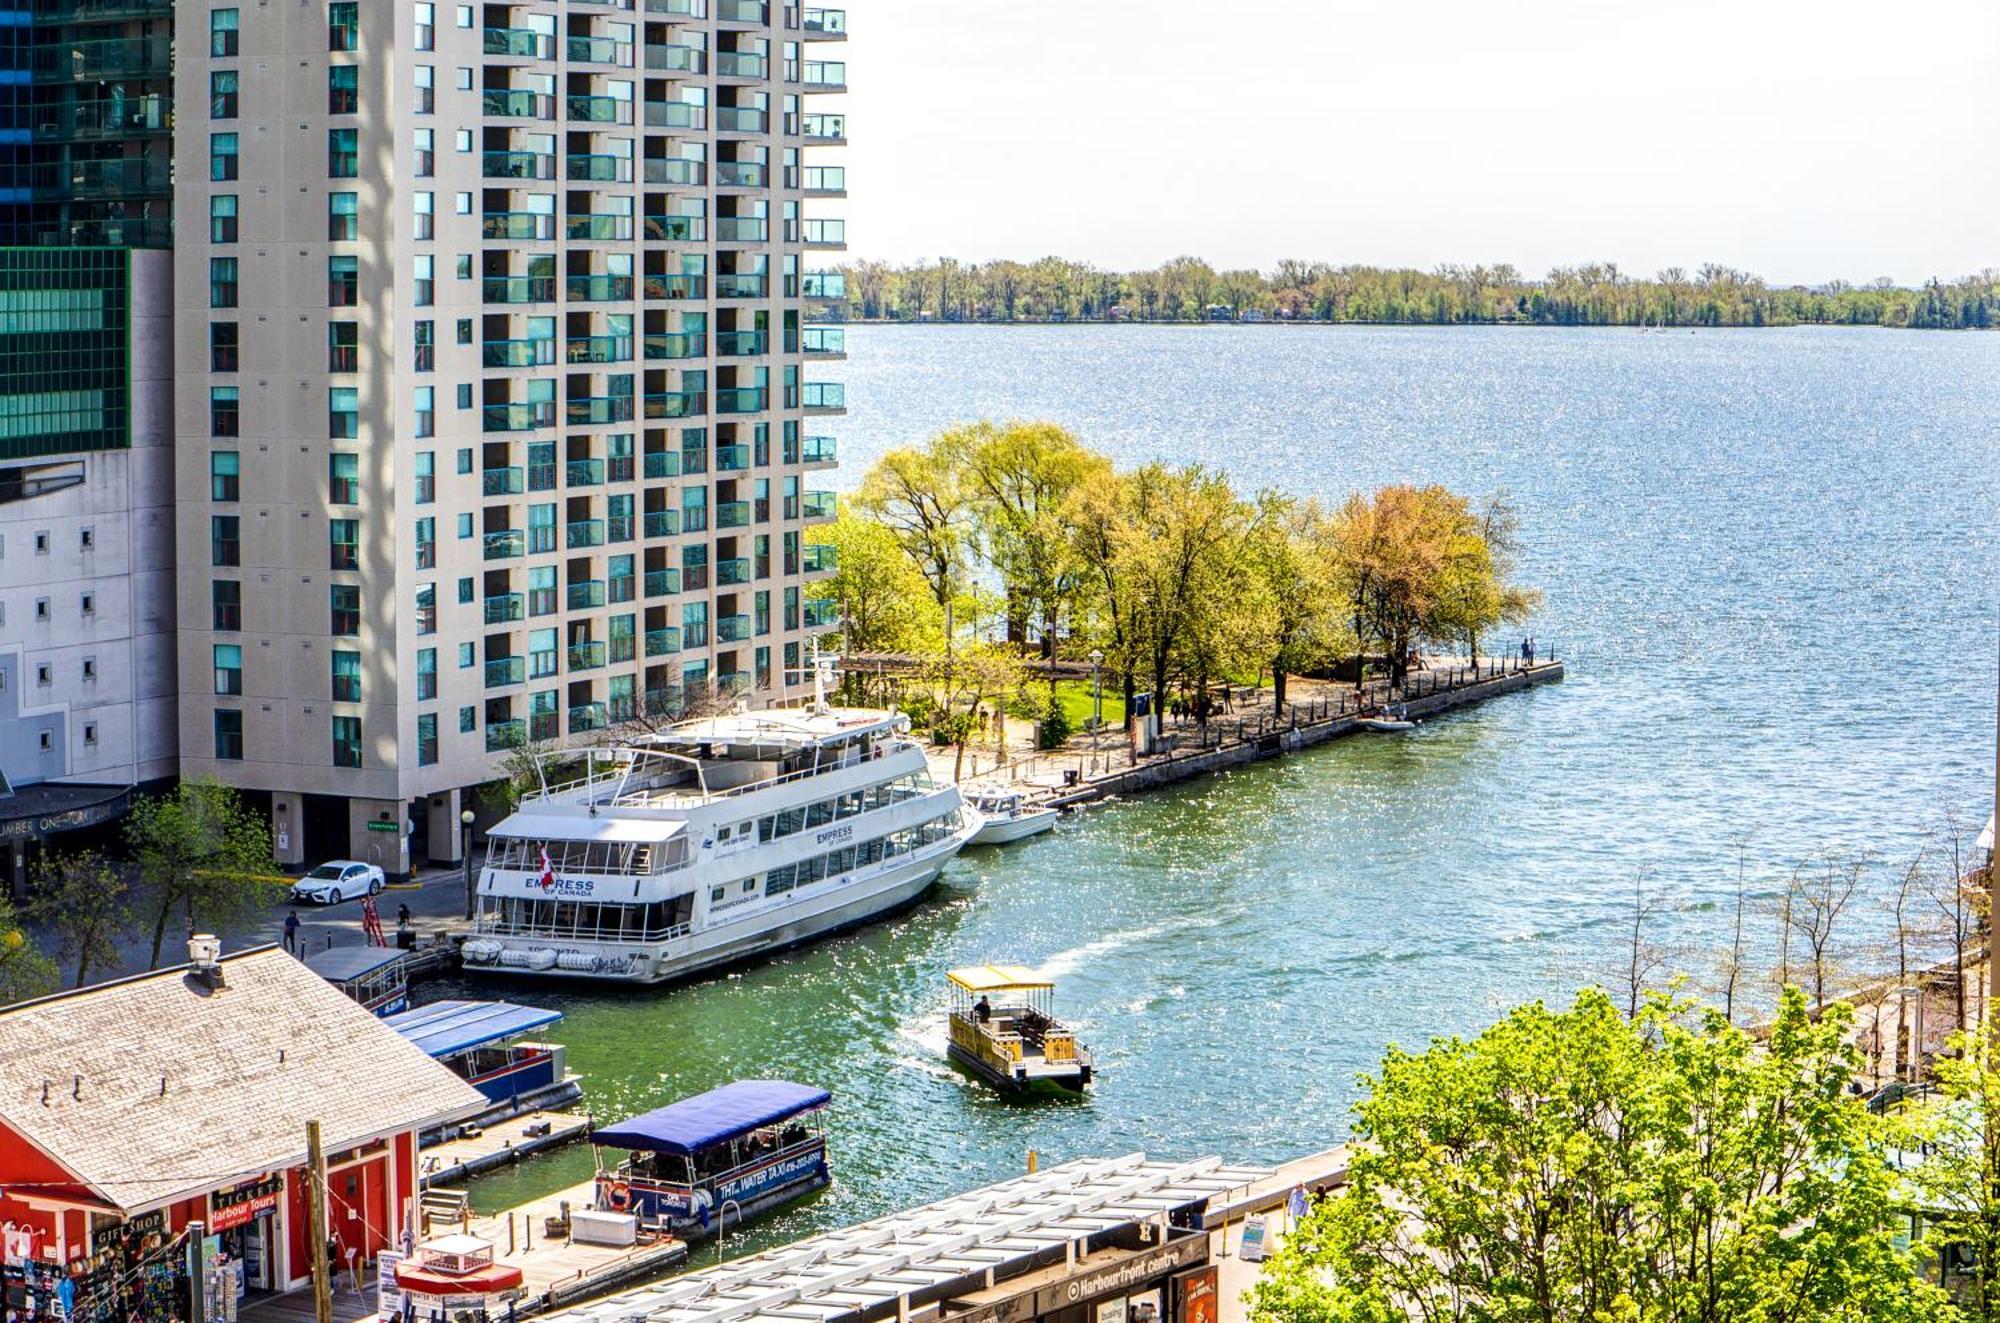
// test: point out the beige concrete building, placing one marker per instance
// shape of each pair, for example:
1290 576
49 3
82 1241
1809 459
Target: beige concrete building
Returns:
496 385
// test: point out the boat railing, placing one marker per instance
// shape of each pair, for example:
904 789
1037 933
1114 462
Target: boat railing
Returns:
713 1180
491 925
644 799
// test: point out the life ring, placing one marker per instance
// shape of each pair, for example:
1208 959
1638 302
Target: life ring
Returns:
618 1195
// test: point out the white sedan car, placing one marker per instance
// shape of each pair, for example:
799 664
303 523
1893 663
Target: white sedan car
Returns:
331 883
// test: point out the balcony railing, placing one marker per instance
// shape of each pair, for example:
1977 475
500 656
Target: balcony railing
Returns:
742 11
742 119
741 64
732 629
820 557
518 289
600 110
504 225
600 50
587 717
584 533
662 523
662 464
824 284
672 58
596 167
733 571
584 594
819 450
742 399
662 583
518 417
504 608
583 472
825 233
114 57
821 613
663 642
675 229
675 170
586 410
672 404
742 229
829 340
599 289
825 76
825 23
511 103
820 505
825 396
676 286
586 656
501 482
674 114
824 128
824 179
599 349
744 174
675 345
729 285
506 544
732 514
506 670
520 43
506 735
518 165
732 459
600 228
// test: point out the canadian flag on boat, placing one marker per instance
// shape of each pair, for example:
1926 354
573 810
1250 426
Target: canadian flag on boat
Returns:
548 871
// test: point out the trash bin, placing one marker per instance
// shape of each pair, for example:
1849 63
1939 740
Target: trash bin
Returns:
1071 776
406 939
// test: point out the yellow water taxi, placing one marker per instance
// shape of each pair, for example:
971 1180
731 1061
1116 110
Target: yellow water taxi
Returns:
1002 1030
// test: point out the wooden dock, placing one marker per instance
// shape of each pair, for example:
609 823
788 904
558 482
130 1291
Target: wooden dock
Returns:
561 1272
499 1145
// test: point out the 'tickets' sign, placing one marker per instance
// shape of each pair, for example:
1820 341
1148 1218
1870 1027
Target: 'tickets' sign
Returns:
232 1208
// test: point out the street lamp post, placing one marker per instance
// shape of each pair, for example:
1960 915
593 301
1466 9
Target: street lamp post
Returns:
1096 704
465 858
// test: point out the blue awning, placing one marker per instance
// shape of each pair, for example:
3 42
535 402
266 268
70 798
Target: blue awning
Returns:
711 1118
339 964
446 1028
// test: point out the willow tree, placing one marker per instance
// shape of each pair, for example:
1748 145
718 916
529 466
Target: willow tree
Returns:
885 602
1020 478
918 494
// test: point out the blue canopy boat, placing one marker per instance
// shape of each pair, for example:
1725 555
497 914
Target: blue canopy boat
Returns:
482 1042
374 976
717 1159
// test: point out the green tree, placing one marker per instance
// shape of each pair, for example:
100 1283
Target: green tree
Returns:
85 903
885 603
1175 547
1956 1185
202 852
1020 478
1290 550
918 494
25 969
1579 1167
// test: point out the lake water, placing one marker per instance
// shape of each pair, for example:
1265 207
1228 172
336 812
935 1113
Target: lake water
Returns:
1769 556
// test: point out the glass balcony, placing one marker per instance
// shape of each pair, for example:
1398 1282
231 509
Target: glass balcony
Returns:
584 594
732 514
821 557
583 473
825 76
741 119
599 289
675 171
520 43
664 523
510 103
820 505
743 174
828 340
518 165
504 608
676 229
662 583
731 572
677 404
517 417
585 656
503 225
107 117
732 629
599 110
694 635
826 23
506 735
103 178
742 229
824 128
742 11
587 717
663 642
597 168
824 285
673 114
599 349
518 289
825 233
662 464
603 229
506 670
676 344
519 352
674 58
742 399
541 538
819 450
109 58
731 286
587 410
824 179
507 544
676 287
821 613
600 50
584 533
741 64
732 459
825 396
501 482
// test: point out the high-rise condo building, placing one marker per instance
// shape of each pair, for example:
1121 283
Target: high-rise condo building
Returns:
494 385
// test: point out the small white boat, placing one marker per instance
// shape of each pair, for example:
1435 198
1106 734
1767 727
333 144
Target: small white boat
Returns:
1389 718
1008 817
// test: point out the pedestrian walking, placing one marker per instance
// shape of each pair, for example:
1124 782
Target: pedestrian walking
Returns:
1296 1204
292 932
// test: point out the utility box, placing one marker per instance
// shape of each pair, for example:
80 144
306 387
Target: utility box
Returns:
588 1226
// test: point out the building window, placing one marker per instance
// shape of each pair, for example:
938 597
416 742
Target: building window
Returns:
465 395
223 417
347 741
90 668
424 292
427 674
346 676
465 533
465 459
426 542
343 217
467 656
427 608
225 540
222 218
427 75
425 142
221 282
89 733
229 725
229 669
343 153
343 544
424 225
222 94
343 413
343 479
222 346
89 604
221 156
426 27
343 25
426 347
427 739
426 472
222 33
343 346
426 401
464 330
465 590
225 599
468 720
343 282
224 473
343 89
344 606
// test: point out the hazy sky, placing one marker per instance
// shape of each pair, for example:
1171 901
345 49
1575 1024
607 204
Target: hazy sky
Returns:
1800 139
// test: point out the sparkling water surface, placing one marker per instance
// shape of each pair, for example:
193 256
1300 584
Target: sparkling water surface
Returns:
1768 556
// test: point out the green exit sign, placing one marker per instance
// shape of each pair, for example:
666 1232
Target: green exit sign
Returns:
383 826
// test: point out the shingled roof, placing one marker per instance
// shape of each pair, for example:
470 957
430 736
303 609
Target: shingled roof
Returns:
155 1088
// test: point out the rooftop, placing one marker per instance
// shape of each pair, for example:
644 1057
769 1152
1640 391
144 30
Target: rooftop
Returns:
942 1250
154 1088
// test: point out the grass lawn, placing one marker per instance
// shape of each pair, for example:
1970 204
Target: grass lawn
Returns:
1075 697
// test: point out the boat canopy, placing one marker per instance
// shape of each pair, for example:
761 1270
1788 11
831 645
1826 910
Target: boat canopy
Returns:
599 827
711 1118
446 1028
343 964
993 978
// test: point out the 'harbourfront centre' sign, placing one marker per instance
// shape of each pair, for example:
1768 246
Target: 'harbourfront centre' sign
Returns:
1136 1271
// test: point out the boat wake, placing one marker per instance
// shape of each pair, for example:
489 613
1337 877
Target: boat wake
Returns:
1063 963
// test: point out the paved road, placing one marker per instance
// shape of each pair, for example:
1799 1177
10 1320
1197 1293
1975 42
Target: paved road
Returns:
436 898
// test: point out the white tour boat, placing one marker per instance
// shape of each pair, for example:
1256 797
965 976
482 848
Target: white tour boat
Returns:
1007 816
711 842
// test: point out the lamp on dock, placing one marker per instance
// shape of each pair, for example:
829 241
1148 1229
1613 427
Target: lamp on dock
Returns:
1096 704
465 858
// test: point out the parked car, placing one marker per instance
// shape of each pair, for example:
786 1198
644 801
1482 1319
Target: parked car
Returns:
331 883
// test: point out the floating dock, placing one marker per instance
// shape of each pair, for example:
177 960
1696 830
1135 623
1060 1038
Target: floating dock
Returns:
500 1145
